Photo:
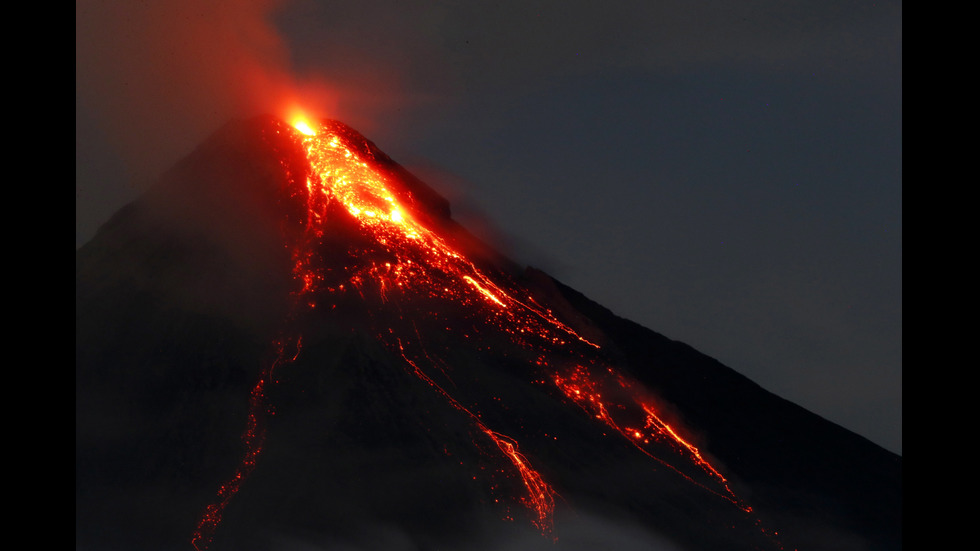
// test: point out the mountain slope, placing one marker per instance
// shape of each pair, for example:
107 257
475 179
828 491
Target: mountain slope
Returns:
410 386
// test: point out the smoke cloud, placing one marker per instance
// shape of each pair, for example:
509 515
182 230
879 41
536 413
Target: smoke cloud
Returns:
159 76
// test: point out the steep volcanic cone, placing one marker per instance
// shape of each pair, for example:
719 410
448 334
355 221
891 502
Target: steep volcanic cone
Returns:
421 297
374 364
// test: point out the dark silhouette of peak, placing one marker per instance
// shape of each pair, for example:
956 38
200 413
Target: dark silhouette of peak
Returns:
260 367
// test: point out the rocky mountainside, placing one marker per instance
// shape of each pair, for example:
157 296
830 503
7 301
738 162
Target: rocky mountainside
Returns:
357 390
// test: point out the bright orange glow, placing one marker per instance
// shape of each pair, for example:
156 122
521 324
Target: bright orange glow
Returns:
480 288
304 127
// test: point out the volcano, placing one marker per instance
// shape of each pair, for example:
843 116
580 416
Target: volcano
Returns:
288 343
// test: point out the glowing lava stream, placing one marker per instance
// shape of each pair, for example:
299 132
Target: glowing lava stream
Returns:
409 258
540 496
252 439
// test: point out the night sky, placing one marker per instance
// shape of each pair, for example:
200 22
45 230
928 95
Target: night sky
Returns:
728 174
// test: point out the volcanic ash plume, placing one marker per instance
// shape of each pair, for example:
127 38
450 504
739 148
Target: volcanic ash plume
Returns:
159 76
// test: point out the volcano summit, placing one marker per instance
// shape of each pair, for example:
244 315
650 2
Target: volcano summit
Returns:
288 342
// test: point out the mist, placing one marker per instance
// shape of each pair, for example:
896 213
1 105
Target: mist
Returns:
583 531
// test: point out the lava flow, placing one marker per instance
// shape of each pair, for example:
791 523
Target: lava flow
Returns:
402 260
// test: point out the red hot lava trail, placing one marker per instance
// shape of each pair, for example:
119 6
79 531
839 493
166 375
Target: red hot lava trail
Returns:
400 259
